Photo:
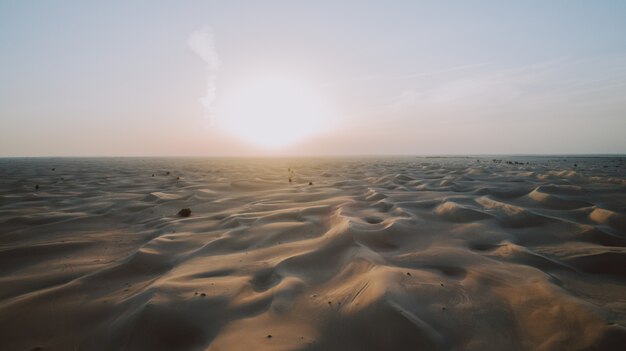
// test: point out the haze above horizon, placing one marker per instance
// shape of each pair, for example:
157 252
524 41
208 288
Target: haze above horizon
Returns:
280 78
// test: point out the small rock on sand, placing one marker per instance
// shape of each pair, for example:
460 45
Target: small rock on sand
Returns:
310 183
185 212
37 187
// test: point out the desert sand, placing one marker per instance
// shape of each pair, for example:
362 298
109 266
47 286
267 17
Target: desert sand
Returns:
412 253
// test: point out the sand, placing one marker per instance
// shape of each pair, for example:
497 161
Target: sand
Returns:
527 253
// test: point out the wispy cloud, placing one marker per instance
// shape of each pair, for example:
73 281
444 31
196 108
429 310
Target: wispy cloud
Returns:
202 42
398 77
542 85
442 71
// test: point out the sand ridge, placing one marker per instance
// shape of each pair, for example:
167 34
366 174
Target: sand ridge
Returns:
527 253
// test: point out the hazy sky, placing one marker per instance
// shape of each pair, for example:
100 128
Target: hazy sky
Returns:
363 77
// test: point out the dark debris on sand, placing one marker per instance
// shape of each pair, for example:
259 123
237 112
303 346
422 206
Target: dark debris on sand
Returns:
185 212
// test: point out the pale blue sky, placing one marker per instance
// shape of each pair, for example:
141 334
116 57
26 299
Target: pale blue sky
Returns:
415 77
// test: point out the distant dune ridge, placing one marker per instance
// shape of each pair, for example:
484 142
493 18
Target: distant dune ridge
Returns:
313 254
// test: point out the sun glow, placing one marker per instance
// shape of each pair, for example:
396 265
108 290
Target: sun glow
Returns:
275 112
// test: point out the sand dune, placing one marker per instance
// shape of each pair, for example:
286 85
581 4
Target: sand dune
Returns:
376 254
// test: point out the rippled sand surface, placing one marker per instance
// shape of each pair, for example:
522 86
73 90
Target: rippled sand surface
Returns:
376 254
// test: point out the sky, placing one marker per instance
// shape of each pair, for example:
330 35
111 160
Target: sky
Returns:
248 78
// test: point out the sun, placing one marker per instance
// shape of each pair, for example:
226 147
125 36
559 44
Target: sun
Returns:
274 112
